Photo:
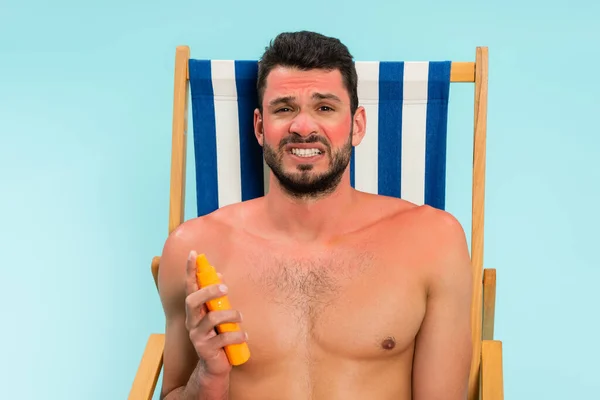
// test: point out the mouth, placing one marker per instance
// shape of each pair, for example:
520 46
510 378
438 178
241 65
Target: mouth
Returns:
306 153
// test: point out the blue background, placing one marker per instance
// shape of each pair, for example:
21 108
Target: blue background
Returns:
85 135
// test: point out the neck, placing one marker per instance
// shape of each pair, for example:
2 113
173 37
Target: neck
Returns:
309 219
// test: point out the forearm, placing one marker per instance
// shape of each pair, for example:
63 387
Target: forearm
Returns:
201 387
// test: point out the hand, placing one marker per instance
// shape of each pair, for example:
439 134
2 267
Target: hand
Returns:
201 323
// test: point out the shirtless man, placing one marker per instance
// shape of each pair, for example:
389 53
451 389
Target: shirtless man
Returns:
344 295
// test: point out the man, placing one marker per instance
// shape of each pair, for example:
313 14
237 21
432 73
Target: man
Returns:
342 294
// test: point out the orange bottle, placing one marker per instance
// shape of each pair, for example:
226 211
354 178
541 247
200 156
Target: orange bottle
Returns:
207 275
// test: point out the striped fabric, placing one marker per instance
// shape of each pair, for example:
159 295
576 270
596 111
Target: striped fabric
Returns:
403 153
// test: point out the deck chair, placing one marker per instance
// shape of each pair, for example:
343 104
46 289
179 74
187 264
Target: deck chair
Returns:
403 154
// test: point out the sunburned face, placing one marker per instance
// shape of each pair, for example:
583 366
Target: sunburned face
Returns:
306 130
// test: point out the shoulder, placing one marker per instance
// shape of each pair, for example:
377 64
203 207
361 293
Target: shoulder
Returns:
430 223
194 233
401 211
441 226
203 232
436 234
443 238
208 234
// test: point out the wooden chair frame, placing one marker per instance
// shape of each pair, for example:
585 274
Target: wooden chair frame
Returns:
486 377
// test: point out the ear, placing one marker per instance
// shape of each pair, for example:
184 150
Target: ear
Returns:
258 127
359 126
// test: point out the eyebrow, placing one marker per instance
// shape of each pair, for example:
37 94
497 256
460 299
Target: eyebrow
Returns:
283 99
326 96
315 96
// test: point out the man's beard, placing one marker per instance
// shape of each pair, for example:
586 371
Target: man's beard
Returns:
303 184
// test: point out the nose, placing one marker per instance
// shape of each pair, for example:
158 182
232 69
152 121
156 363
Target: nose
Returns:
303 124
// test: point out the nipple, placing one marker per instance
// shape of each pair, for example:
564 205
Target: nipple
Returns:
388 343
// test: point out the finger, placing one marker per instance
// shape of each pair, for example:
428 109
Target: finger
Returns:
207 293
195 303
191 284
227 338
206 327
215 318
212 348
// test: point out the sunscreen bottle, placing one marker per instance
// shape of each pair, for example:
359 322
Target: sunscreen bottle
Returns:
207 275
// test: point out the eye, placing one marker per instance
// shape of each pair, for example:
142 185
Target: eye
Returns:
325 108
283 109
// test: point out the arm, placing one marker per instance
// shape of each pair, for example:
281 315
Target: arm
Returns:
183 376
443 346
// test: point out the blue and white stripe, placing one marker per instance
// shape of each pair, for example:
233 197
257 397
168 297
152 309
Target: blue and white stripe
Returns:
403 153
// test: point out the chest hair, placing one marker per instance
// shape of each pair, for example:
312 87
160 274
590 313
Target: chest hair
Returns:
303 285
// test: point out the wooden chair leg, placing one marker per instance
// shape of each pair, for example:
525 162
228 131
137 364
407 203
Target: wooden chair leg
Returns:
148 372
492 383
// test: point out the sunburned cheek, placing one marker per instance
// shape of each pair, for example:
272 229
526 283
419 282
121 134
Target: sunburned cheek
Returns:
337 128
339 135
274 133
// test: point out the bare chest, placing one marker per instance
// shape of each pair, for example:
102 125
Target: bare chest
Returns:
353 302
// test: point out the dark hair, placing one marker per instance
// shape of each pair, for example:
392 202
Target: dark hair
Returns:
308 50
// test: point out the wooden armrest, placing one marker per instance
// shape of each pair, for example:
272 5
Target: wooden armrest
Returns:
492 382
154 268
489 303
149 369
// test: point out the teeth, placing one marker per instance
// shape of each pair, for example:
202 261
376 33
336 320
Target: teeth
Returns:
306 152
